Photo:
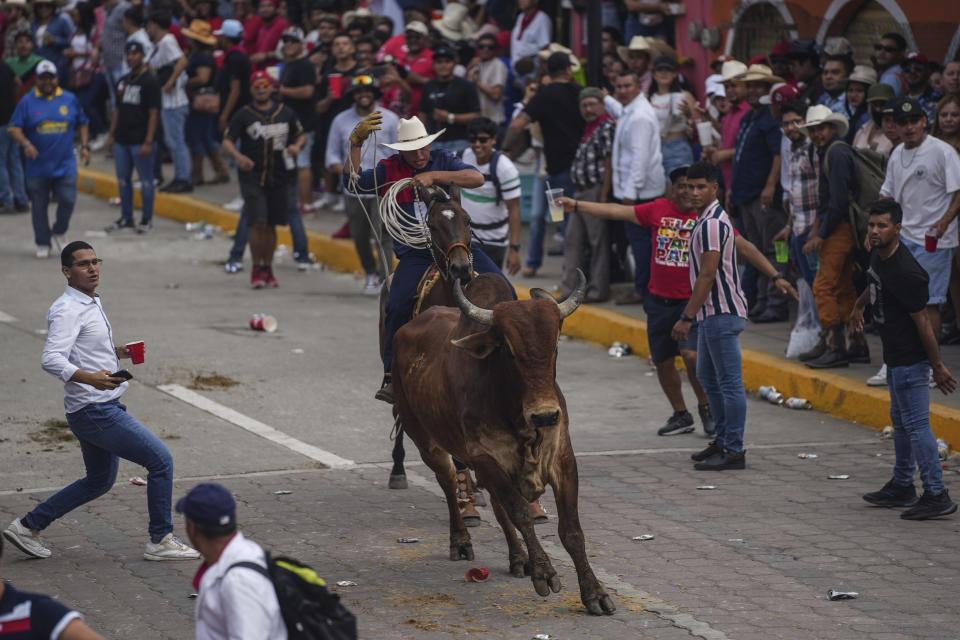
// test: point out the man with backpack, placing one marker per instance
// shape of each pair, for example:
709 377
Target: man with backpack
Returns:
494 207
834 238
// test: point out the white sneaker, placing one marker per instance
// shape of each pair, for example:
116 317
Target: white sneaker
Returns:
59 242
170 548
879 380
43 252
27 540
98 143
372 286
338 205
234 205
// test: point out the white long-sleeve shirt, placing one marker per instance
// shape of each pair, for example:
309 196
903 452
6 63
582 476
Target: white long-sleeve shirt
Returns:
637 160
79 336
536 36
240 604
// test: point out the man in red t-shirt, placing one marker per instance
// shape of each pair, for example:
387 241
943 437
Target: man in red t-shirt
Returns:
670 221
412 67
264 52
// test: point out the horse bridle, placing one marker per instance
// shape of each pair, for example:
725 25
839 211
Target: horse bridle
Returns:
445 270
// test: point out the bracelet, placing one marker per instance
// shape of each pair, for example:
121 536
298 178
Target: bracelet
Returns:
515 247
451 118
685 318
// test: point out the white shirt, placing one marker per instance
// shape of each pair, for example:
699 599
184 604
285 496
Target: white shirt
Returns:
239 604
637 161
338 139
481 203
79 337
493 73
140 35
923 180
167 53
536 36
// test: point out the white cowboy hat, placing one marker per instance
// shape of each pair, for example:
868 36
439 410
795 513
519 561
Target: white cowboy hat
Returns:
412 135
864 75
732 70
553 48
819 114
637 43
760 73
455 24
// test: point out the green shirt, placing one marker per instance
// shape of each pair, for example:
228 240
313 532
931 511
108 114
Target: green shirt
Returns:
23 66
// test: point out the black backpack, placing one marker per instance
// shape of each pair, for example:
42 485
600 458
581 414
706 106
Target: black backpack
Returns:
310 612
492 176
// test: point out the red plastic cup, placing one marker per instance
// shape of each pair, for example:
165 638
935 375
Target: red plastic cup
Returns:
477 574
261 322
335 80
136 351
931 240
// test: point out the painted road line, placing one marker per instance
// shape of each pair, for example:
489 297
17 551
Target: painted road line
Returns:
785 445
6 318
256 427
559 555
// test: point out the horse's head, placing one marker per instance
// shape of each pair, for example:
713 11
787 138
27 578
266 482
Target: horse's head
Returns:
449 228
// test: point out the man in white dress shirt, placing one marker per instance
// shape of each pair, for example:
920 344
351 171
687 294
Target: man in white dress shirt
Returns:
80 351
231 604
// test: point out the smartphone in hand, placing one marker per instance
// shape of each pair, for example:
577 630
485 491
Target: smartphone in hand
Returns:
123 373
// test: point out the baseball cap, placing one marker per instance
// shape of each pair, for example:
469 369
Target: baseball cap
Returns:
418 27
917 58
558 61
444 52
905 108
713 86
665 62
256 76
293 33
804 48
784 94
134 45
209 505
230 28
46 68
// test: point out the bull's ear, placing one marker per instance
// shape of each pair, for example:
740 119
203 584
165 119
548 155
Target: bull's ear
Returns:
479 345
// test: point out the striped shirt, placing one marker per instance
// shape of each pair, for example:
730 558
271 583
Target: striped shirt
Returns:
489 219
714 232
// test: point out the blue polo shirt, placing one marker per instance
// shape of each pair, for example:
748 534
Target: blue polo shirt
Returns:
48 122
758 141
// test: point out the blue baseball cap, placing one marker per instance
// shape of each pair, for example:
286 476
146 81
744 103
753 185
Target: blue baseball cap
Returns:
230 28
209 505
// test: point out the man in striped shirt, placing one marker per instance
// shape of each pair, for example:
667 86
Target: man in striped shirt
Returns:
718 303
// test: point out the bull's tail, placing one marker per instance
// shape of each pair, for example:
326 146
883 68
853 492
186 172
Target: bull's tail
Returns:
398 476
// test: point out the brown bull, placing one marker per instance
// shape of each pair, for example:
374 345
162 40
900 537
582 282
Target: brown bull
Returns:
479 383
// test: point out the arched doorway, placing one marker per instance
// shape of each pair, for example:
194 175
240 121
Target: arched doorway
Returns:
863 22
758 26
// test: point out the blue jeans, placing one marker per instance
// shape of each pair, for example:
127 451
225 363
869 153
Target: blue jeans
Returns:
39 188
676 153
13 188
174 123
91 99
720 371
125 158
301 249
107 433
538 216
201 134
413 263
806 264
913 439
240 238
639 239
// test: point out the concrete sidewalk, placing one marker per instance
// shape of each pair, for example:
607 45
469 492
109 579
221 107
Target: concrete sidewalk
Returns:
838 392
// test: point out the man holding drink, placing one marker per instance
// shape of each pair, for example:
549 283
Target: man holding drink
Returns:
80 334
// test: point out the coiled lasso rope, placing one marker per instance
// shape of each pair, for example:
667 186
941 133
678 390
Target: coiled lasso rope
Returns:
403 227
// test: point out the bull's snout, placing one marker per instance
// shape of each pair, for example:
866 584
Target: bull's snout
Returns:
548 418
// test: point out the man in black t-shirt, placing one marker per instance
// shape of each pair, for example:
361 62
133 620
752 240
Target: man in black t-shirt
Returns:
897 290
449 102
298 86
270 137
233 81
556 106
133 128
32 616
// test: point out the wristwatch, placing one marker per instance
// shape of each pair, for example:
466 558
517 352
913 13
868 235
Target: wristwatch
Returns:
515 247
685 318
451 118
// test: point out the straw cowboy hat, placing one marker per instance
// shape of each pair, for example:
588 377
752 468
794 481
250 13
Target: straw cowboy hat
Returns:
553 48
201 31
455 24
864 75
820 114
732 71
412 135
637 43
760 73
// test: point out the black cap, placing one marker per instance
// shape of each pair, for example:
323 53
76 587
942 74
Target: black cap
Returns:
134 45
558 61
210 506
665 62
444 51
905 108
804 48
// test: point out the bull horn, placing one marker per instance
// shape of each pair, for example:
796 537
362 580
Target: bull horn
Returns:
472 311
569 304
537 293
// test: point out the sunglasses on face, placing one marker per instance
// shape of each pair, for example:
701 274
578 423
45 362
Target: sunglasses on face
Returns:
363 81
480 139
885 47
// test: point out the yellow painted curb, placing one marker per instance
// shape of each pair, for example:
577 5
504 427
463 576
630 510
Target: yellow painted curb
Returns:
830 393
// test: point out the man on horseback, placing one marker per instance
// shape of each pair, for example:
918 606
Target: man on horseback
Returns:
427 168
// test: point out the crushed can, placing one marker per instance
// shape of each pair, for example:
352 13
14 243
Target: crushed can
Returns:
619 350
943 449
775 398
807 456
887 432
833 594
766 391
196 226
798 403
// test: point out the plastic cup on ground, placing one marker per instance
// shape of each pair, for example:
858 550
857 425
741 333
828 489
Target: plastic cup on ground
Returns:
335 80
931 239
136 351
262 322
783 254
705 133
556 209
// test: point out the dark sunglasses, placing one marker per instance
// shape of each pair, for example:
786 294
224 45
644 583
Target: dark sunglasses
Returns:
289 39
481 139
885 47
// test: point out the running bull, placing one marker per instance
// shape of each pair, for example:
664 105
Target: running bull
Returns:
479 383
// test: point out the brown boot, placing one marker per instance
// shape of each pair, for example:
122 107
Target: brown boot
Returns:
818 350
221 173
857 348
537 512
197 172
468 510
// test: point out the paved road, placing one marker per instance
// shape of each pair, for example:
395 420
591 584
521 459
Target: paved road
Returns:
751 559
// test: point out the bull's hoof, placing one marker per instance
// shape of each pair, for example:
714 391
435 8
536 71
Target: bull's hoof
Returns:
600 605
541 586
471 521
398 481
519 568
461 551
